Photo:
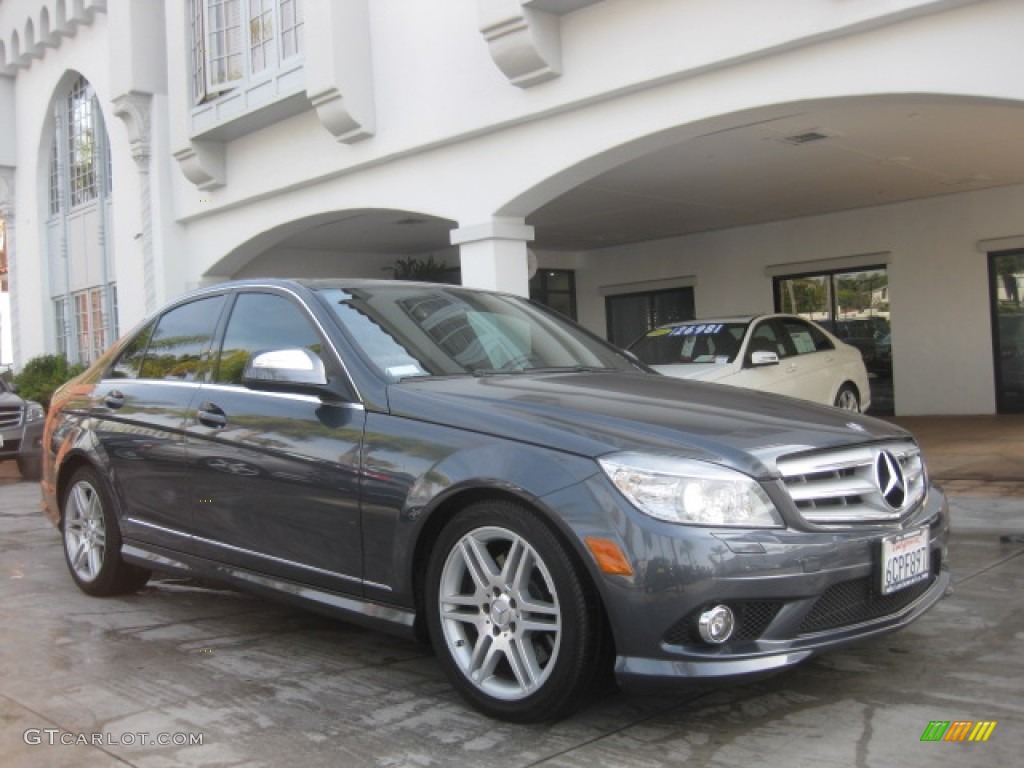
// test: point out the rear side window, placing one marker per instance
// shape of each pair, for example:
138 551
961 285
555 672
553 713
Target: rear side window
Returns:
806 337
178 348
260 322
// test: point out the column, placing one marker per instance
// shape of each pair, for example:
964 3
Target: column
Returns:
493 255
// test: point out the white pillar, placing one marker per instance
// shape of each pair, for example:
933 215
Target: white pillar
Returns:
493 255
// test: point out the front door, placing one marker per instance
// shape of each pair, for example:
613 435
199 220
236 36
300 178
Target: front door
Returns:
274 477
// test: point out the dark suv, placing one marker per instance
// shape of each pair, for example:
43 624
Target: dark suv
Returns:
473 468
21 431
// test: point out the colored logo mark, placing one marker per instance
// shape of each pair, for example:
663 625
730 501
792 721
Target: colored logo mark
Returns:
958 730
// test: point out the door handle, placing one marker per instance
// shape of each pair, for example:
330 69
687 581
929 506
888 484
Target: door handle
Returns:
211 415
114 399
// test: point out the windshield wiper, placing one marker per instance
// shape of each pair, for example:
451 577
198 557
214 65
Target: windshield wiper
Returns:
570 369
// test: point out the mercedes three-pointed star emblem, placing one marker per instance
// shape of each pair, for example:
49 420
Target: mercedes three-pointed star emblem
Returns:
890 480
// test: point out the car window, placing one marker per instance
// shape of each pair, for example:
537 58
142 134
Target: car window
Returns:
697 342
412 330
262 322
765 338
178 348
128 364
805 338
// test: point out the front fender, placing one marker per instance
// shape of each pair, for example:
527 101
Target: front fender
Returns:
439 467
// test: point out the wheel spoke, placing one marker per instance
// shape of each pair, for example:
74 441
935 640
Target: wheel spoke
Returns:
523 662
80 555
484 659
95 559
479 562
515 561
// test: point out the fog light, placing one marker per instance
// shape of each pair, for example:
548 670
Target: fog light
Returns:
716 624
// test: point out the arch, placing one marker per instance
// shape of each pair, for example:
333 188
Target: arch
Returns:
375 236
586 167
74 202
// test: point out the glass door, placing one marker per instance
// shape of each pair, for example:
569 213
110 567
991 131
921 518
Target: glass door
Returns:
1006 282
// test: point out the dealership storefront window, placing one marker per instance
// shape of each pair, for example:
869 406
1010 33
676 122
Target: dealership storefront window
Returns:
555 288
854 305
631 315
1006 282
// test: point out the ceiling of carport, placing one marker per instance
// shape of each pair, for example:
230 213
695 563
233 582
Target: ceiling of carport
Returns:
862 153
868 153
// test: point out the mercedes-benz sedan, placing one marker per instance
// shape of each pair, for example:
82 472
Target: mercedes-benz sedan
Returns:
781 354
472 468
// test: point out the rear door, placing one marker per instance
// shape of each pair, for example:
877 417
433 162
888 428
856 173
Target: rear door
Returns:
275 476
811 366
140 411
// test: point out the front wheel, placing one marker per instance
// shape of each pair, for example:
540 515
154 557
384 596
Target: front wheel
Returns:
92 539
514 624
847 399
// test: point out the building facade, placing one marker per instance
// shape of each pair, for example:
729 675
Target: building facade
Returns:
627 161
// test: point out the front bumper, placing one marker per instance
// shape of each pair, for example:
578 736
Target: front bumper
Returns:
23 441
795 591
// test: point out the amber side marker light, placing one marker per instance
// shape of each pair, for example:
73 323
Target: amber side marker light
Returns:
609 557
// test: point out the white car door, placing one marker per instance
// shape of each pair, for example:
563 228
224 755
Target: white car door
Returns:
812 367
765 336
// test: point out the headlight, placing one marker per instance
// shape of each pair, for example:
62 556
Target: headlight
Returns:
33 411
690 492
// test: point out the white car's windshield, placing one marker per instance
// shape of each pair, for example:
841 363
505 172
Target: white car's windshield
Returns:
412 330
697 342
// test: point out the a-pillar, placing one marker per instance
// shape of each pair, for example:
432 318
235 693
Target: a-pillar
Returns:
493 255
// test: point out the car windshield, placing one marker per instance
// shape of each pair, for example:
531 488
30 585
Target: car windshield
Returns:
414 330
697 342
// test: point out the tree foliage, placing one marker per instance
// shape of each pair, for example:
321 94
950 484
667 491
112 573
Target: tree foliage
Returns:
423 270
42 375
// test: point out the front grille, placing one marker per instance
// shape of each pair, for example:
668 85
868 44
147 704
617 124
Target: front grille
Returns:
858 600
752 619
842 487
10 416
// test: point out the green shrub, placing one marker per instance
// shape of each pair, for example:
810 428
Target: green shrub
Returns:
41 376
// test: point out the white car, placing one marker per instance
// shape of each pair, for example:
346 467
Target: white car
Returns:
784 354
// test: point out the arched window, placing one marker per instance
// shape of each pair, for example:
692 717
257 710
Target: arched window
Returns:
82 284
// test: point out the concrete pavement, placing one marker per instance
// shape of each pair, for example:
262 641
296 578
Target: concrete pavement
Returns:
265 685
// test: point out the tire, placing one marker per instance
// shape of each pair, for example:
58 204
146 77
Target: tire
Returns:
92 539
846 398
516 627
30 468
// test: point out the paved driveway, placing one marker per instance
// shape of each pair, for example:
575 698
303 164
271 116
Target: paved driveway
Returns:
265 685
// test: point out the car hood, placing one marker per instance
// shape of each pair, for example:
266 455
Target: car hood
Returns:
595 413
696 371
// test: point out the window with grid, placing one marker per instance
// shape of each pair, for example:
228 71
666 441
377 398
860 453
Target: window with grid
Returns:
60 318
237 40
82 143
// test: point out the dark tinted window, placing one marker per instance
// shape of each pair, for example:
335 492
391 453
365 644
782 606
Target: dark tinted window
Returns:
178 349
129 363
261 322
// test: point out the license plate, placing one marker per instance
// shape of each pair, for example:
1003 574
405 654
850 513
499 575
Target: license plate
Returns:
905 560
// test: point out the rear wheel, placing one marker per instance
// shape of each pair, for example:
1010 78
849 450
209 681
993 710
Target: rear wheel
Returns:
846 398
92 539
515 626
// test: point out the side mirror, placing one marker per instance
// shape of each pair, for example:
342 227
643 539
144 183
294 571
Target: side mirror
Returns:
284 370
762 358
